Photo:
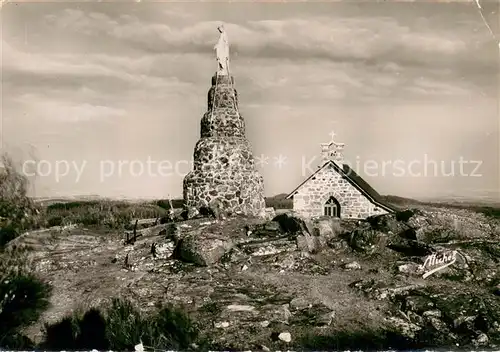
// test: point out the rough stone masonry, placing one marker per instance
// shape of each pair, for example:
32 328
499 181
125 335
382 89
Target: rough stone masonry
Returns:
224 170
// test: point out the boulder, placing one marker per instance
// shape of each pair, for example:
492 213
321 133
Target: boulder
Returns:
409 268
482 340
189 213
405 243
400 234
458 316
496 290
404 327
308 244
268 247
272 226
221 325
325 319
389 223
300 303
417 304
444 225
413 232
327 227
170 217
410 216
285 336
267 229
352 266
163 250
207 212
291 224
364 238
315 314
203 248
338 244
172 232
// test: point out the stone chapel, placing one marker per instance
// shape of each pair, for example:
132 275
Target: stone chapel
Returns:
335 190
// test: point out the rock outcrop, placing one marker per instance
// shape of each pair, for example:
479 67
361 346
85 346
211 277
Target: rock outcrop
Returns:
355 285
224 169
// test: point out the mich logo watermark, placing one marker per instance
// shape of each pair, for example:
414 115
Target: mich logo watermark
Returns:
438 261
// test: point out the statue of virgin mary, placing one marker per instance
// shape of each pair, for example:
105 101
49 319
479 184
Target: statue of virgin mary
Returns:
222 52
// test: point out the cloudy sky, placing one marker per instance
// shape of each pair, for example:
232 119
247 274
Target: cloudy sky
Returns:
89 85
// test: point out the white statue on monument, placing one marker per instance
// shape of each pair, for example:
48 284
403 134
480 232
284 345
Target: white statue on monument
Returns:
222 52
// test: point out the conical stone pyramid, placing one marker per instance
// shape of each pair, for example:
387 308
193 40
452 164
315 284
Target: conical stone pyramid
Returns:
224 169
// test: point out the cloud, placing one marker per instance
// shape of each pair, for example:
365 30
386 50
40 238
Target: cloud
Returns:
427 86
320 58
359 39
51 64
374 43
327 83
103 74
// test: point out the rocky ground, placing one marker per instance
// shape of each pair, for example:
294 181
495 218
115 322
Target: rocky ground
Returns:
251 283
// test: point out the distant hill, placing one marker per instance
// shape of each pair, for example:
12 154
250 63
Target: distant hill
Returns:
480 206
402 201
279 202
93 198
460 202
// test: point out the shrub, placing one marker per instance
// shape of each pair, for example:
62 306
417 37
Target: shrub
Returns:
87 332
17 211
121 327
71 205
175 328
7 234
178 203
61 335
489 212
289 224
405 215
163 203
55 221
23 297
112 214
125 325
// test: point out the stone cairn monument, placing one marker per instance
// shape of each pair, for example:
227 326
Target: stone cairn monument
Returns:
224 175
